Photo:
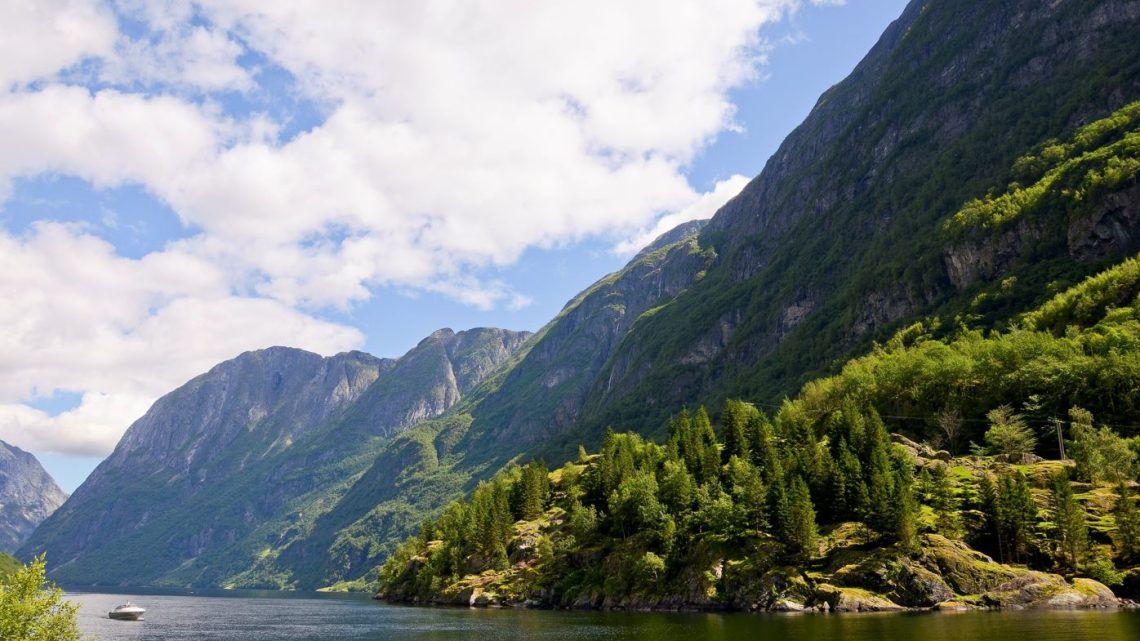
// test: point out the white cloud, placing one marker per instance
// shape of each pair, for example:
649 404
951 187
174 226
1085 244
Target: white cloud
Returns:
700 209
455 135
78 317
42 37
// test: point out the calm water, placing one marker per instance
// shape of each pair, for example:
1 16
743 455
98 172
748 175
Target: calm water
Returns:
257 616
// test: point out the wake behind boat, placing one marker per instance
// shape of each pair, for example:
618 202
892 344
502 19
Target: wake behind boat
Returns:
127 612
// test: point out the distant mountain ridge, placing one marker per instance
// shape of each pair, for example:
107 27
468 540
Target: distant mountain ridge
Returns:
243 457
28 495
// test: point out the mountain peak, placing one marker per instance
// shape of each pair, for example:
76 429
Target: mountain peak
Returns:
28 495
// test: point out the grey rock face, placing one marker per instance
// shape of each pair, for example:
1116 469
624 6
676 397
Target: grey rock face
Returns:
234 462
547 391
28 495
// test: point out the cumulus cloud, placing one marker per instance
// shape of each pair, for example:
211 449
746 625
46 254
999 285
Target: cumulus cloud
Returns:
700 209
78 317
452 136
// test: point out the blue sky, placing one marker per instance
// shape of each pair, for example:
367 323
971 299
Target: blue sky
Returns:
188 181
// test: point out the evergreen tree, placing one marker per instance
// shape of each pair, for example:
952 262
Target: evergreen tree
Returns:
734 422
763 447
1127 526
530 493
778 508
905 526
747 491
880 510
1016 514
799 532
987 538
1070 527
707 453
944 501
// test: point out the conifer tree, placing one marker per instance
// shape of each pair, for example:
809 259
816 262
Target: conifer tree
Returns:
765 454
988 538
1016 514
707 454
1127 526
905 507
855 496
944 502
1070 527
799 532
531 492
734 423
880 510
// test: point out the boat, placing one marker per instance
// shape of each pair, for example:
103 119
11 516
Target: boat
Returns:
127 612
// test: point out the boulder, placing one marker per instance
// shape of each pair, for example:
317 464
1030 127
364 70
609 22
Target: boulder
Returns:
844 599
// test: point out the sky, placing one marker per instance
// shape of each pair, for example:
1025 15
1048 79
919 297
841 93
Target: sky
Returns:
184 181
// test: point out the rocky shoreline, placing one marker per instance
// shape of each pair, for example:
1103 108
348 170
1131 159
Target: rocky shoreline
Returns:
946 575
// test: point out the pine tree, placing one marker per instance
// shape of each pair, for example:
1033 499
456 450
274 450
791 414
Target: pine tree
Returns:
734 423
988 537
799 532
944 502
530 493
765 454
707 453
1127 526
1070 527
1016 515
905 506
880 510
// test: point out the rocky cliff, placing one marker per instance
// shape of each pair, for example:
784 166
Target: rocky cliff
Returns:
839 241
239 461
28 495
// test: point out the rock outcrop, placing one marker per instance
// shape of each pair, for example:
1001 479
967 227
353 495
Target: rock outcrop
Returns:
28 495
224 472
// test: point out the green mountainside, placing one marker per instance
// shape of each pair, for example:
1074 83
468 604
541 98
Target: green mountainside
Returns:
847 237
921 249
239 462
819 507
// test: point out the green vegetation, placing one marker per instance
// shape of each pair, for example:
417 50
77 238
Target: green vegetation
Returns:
8 565
1100 158
698 512
33 610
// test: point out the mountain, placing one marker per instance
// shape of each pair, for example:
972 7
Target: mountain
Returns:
844 239
239 460
932 186
28 495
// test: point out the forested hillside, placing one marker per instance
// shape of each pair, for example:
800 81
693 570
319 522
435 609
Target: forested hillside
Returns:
820 507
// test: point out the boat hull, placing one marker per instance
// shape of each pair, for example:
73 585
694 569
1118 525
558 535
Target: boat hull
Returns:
126 616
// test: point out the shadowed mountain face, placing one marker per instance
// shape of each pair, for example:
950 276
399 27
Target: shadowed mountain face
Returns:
239 460
28 495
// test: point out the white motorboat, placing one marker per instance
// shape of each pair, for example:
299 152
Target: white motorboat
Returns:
127 612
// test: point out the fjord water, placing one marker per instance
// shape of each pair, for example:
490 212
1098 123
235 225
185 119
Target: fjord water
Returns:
261 616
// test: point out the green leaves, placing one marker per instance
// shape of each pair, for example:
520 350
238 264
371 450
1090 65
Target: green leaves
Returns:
33 610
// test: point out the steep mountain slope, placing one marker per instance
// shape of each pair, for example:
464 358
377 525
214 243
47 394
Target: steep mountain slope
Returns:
28 495
236 462
540 393
840 241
